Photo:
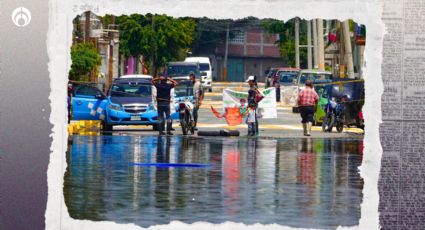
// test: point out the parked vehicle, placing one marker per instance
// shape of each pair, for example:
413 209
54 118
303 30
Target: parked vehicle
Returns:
183 69
360 120
128 102
205 67
185 109
354 89
87 102
286 76
335 115
315 76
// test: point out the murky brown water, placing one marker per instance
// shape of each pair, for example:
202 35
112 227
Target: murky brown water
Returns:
150 180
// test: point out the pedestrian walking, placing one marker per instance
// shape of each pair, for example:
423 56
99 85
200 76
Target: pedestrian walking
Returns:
307 102
198 96
254 97
163 98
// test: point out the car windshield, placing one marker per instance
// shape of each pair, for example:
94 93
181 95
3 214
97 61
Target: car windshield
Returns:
182 70
183 89
204 67
313 77
131 90
286 78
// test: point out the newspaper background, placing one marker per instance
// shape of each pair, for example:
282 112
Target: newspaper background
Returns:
402 180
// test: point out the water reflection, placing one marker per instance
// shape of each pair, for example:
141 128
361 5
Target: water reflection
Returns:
296 182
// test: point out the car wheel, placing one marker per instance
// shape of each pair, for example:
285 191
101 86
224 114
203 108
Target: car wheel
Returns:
339 128
155 127
106 127
183 123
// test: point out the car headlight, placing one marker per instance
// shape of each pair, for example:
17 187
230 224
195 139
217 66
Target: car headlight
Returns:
151 106
115 107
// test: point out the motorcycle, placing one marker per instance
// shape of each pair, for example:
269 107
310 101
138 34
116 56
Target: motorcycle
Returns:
185 115
360 120
335 115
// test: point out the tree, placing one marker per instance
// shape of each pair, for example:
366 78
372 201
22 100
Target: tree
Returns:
210 32
159 38
84 58
286 42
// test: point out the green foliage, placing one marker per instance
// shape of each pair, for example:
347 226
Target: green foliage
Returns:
84 59
286 43
208 33
160 37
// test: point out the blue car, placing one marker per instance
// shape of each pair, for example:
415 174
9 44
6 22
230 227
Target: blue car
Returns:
128 102
87 102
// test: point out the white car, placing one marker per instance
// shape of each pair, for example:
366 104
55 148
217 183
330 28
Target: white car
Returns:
205 67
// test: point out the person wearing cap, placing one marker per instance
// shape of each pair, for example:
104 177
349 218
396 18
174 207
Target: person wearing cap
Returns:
254 96
307 102
163 99
198 95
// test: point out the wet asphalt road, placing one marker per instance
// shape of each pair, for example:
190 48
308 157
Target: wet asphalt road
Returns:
149 180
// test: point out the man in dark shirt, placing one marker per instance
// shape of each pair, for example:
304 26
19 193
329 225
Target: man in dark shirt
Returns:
163 98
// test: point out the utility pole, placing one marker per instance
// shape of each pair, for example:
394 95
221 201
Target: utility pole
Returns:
348 50
320 44
315 54
309 56
152 48
225 54
87 27
111 54
341 47
297 43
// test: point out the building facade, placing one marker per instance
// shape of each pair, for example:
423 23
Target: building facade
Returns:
250 52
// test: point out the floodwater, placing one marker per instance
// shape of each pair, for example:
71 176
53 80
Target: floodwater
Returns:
149 180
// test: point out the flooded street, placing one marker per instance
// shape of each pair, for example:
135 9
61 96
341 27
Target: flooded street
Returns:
149 180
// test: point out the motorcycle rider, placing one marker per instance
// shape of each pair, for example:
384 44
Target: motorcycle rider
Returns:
307 102
198 96
163 98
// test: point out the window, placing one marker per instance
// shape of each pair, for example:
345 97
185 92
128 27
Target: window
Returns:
286 78
133 90
176 70
86 90
238 38
204 67
314 77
